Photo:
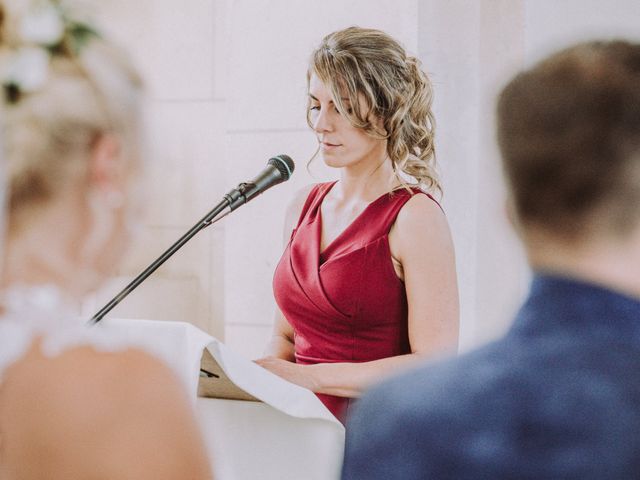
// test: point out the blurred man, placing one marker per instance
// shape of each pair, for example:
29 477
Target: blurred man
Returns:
559 395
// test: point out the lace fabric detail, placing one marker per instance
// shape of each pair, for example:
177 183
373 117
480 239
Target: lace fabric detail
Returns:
14 342
43 313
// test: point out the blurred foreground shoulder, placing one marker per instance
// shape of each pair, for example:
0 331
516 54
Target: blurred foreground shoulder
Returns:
100 415
421 424
385 438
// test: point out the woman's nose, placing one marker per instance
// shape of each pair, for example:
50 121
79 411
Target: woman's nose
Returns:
322 122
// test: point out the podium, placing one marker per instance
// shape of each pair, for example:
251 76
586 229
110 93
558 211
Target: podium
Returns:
256 425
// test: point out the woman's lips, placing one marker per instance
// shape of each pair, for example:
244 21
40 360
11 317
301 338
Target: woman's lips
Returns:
329 146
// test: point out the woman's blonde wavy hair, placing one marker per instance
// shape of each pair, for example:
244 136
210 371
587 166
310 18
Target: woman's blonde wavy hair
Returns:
369 64
47 135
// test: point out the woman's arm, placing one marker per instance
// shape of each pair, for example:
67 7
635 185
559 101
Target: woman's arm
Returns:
421 242
94 415
280 345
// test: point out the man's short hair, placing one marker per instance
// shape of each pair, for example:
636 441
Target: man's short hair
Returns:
569 134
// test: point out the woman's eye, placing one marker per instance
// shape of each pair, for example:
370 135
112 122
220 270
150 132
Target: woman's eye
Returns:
314 107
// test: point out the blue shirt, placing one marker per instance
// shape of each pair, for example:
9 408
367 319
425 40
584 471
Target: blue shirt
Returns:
557 398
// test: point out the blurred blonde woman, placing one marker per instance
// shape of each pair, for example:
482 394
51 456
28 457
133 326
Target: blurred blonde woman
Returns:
367 282
72 403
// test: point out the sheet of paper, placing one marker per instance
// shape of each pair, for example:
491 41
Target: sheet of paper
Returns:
182 346
259 384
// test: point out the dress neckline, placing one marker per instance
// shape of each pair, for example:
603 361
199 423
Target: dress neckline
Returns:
322 254
43 306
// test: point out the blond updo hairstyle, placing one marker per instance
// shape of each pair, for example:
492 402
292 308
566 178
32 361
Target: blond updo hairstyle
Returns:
47 134
359 62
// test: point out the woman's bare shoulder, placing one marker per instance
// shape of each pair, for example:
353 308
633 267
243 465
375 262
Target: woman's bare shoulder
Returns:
294 209
421 227
82 373
108 409
421 211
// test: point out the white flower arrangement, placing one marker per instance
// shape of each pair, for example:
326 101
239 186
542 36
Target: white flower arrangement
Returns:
43 31
43 25
27 69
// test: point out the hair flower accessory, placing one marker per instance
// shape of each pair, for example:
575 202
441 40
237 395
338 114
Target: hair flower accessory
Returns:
44 30
44 26
25 71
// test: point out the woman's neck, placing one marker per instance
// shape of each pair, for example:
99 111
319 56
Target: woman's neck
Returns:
45 252
366 182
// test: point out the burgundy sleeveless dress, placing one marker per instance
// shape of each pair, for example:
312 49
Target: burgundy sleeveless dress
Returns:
345 304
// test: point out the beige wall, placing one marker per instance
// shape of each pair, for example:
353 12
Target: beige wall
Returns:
227 88
180 50
469 47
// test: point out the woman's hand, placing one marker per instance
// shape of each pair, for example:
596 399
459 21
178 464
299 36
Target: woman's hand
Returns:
290 371
340 379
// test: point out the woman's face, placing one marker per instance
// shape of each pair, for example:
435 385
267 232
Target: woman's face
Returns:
341 144
115 207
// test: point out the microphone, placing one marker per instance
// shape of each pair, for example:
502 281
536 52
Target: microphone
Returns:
279 169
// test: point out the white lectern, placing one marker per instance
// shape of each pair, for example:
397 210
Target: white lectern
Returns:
257 425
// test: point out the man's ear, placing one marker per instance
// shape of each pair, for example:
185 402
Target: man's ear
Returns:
510 213
106 164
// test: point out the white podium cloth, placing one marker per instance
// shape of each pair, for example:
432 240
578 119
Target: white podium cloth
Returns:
291 435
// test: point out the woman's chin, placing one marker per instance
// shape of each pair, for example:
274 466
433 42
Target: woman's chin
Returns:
332 161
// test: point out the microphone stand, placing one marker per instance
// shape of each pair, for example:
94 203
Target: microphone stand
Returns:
232 200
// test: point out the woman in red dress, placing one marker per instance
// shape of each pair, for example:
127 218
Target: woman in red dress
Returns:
367 281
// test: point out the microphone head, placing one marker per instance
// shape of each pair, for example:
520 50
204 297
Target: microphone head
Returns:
284 164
